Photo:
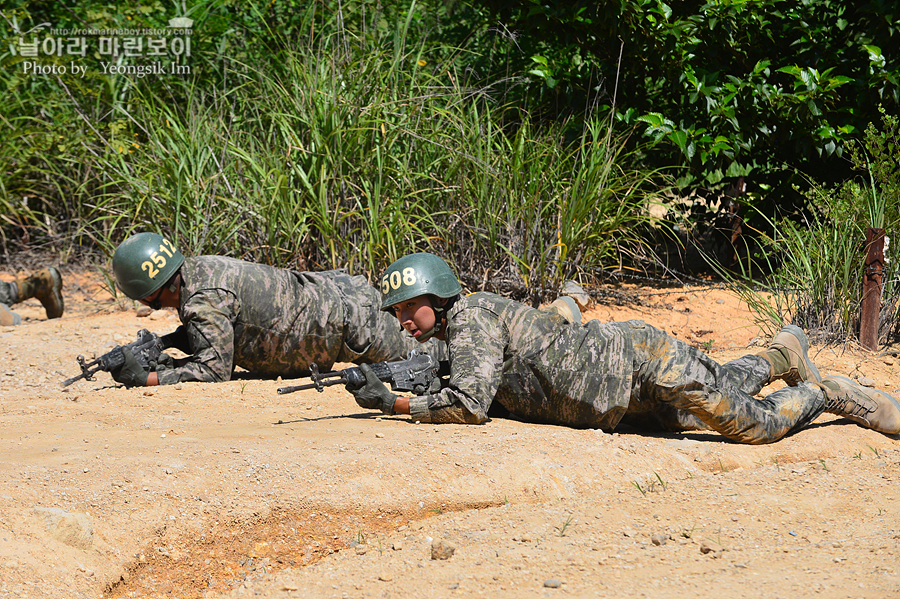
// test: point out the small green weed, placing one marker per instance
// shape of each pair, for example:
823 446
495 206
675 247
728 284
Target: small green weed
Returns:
562 529
662 483
652 485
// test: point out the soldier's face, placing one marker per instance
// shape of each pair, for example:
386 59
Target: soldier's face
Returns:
416 315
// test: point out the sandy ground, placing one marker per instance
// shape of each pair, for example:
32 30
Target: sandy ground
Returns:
231 490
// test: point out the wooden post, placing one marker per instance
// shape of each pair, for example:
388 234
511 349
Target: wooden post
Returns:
872 279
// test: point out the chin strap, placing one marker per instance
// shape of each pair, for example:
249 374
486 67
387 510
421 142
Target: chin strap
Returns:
173 287
428 335
438 323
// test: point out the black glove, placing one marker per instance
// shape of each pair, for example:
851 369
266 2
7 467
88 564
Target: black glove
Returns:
374 395
130 374
431 389
163 361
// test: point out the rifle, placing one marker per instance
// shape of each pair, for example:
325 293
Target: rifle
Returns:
146 349
418 369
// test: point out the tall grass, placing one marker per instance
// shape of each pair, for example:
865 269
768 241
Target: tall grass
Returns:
344 153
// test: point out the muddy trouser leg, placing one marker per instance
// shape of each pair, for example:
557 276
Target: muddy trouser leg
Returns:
9 293
671 373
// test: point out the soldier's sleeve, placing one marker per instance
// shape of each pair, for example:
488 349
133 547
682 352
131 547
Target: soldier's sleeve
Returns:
207 317
476 371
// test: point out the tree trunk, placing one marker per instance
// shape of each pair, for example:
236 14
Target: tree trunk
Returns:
872 279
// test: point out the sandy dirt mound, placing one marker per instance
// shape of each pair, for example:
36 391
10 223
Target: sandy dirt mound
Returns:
200 490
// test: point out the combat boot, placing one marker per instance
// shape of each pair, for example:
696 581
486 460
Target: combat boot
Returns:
577 293
869 407
789 356
45 285
8 318
567 308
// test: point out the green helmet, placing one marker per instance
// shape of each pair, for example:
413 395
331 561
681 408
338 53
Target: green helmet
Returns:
143 263
415 275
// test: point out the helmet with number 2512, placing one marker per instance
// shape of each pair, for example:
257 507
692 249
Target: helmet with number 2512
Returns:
143 263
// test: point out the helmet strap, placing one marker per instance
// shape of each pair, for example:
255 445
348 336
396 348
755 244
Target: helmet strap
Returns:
438 321
171 285
429 334
155 303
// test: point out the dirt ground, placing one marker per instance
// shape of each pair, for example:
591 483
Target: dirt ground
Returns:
231 490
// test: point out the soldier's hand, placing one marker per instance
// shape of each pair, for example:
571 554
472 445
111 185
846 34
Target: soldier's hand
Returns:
163 361
431 389
374 395
130 374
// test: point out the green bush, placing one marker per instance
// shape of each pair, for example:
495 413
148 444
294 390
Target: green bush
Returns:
817 265
745 87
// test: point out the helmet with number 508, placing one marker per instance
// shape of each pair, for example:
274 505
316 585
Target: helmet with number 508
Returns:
143 263
415 275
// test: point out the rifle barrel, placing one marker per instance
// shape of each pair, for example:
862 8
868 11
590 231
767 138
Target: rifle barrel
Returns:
317 385
68 382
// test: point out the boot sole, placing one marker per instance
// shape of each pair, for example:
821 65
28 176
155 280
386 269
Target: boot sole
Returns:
57 291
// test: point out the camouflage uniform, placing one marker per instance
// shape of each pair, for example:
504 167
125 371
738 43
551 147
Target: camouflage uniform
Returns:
597 374
8 293
8 296
275 322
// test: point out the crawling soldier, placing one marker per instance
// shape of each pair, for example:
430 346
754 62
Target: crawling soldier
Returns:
596 375
269 321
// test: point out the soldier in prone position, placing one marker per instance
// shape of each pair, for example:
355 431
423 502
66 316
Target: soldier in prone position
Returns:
596 375
269 321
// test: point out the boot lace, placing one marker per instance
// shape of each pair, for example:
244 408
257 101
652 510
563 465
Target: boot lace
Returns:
849 405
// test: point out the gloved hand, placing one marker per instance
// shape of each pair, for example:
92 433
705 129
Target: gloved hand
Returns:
130 374
163 362
374 395
431 389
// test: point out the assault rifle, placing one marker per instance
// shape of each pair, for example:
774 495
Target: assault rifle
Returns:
146 349
415 372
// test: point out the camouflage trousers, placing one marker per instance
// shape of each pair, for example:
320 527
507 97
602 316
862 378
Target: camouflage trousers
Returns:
677 387
9 294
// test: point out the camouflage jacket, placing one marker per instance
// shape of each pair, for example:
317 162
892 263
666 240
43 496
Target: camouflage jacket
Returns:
533 363
275 322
